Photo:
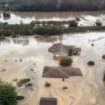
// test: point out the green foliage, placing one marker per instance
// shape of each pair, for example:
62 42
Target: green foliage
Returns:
77 19
104 78
64 88
47 84
19 98
32 23
66 61
48 30
2 37
84 29
103 57
91 63
23 81
98 23
7 94
73 23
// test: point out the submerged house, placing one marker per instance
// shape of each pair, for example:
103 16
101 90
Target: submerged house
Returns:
48 101
76 51
60 72
59 50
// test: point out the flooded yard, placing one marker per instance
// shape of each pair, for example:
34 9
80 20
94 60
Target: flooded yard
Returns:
26 57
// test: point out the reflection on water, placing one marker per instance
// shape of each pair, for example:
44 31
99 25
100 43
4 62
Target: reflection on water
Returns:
21 41
35 40
40 41
27 17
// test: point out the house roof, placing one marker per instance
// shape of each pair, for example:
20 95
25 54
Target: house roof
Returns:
59 47
48 101
60 72
56 47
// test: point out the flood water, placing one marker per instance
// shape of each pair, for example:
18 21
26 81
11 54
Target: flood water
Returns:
33 50
87 18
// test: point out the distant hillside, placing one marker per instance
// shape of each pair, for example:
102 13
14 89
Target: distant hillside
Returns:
54 5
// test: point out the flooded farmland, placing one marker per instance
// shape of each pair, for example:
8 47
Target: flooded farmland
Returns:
25 57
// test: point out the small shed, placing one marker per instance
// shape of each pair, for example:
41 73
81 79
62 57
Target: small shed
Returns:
48 101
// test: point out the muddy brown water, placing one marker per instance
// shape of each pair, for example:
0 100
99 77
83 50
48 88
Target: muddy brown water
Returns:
86 90
87 18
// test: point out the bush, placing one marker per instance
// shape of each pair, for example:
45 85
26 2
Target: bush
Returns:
64 88
6 14
47 84
92 44
2 37
98 23
73 23
77 19
32 23
23 81
104 78
66 62
91 63
103 57
7 94
20 98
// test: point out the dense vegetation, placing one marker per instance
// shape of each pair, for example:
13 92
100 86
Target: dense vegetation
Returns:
46 30
103 57
53 5
8 95
91 63
47 84
66 61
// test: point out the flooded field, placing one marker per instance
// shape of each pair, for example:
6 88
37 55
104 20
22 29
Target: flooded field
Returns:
86 90
87 18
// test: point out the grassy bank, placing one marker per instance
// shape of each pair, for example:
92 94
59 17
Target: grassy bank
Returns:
46 30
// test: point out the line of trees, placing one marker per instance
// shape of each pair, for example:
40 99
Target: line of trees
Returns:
54 5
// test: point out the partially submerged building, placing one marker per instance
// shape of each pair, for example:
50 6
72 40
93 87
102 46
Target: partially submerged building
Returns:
59 50
48 101
61 72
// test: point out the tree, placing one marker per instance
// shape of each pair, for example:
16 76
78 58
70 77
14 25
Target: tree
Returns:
91 63
103 57
73 23
66 61
98 23
8 94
